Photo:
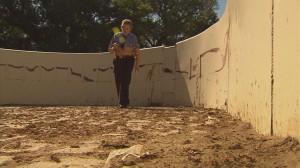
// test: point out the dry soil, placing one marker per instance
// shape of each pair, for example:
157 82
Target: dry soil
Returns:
84 136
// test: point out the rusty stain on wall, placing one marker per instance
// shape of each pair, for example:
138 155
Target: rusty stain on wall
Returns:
62 68
272 69
194 67
142 65
88 79
182 72
75 74
213 50
72 72
167 70
216 50
101 70
224 58
150 73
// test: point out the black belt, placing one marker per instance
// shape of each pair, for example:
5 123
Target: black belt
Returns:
124 56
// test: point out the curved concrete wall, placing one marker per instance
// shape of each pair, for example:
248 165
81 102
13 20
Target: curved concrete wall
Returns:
247 64
37 78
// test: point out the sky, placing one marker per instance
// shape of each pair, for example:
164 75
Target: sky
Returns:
222 5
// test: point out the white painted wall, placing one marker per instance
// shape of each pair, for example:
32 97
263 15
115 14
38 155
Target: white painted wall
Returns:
286 68
55 78
250 62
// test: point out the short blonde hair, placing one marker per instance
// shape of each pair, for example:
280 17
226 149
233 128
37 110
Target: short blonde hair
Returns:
127 22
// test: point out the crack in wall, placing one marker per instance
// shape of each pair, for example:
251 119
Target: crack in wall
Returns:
272 68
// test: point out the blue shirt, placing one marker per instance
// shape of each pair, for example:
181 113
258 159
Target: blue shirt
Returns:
129 41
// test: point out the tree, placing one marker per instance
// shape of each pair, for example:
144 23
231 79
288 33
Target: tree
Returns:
86 25
77 25
17 26
175 20
55 25
136 10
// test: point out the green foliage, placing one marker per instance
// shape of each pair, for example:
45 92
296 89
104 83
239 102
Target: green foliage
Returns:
180 19
86 25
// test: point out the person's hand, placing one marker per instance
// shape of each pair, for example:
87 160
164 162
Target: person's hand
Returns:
137 69
115 46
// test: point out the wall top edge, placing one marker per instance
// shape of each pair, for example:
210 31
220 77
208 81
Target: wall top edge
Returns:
42 52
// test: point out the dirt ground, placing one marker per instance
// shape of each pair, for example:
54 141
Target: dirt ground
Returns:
170 136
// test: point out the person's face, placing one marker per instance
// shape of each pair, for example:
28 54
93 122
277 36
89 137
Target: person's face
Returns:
126 29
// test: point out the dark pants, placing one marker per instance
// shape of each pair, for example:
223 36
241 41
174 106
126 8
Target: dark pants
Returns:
123 68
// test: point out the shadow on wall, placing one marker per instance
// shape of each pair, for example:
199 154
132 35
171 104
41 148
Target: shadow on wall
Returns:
38 78
202 67
183 76
158 79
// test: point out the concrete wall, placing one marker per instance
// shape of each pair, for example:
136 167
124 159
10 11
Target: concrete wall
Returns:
247 63
286 62
55 78
229 65
204 58
258 56
38 78
250 62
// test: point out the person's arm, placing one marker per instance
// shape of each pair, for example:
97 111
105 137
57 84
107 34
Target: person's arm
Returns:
112 47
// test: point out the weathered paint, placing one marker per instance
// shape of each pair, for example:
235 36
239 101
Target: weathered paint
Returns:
286 113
